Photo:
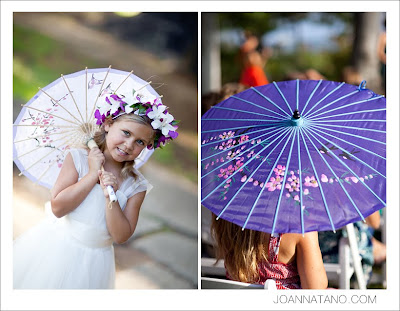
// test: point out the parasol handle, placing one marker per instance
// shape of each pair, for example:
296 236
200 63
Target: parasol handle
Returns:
111 194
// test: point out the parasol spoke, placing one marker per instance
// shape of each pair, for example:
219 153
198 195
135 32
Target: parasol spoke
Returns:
98 95
311 95
331 103
73 98
350 120
351 171
283 187
250 176
243 166
316 104
243 152
353 156
319 183
236 136
349 113
352 135
355 128
46 125
259 106
242 127
266 180
39 136
247 120
40 147
354 145
86 95
123 81
59 104
50 114
348 105
267 98
235 146
300 181
283 96
250 112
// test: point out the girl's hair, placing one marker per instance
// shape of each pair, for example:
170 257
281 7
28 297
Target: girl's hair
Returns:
242 250
100 139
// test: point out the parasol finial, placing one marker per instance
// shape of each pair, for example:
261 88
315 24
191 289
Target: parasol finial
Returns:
296 114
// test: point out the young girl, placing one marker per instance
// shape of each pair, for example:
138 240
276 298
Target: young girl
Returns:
75 251
293 261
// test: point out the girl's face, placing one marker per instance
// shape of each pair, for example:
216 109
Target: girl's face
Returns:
126 139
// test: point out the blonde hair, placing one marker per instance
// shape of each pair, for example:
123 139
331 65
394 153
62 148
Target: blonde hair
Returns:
242 250
100 139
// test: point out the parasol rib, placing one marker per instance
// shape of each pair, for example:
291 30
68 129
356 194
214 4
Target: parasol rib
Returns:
98 95
40 147
86 88
261 120
266 180
311 95
46 125
350 113
254 104
282 188
251 175
237 156
353 135
244 111
277 106
123 81
300 181
230 137
58 102
350 120
331 103
283 96
355 128
349 105
337 178
39 136
238 170
319 183
242 127
73 99
235 146
353 156
357 146
50 114
331 92
351 171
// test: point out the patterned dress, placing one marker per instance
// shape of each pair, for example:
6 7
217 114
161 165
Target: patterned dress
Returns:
286 276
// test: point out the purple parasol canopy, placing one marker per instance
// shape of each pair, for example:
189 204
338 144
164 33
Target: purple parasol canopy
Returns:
295 156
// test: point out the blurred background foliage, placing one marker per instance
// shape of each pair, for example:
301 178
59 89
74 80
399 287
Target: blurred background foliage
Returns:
46 45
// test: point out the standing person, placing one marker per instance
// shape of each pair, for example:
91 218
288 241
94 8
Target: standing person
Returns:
294 261
76 251
253 59
382 54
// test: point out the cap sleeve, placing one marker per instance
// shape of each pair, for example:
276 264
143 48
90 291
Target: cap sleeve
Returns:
79 156
139 184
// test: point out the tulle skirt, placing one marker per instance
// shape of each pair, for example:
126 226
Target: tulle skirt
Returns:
63 254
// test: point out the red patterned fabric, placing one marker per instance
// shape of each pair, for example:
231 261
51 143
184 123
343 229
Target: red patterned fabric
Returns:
286 276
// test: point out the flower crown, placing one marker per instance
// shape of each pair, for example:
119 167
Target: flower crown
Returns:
143 105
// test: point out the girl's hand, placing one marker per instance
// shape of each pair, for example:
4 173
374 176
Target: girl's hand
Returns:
107 179
96 160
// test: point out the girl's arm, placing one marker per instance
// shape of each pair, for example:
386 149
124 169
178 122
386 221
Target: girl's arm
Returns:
309 262
122 224
68 192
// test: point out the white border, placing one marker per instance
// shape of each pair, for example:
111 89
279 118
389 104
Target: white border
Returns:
195 299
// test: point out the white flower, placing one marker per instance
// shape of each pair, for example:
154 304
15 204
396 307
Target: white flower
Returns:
143 98
157 112
105 107
163 124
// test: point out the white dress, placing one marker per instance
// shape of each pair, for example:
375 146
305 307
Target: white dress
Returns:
75 251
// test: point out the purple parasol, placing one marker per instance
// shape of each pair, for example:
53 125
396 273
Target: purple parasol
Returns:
295 156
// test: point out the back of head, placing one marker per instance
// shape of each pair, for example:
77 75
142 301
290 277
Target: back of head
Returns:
242 250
